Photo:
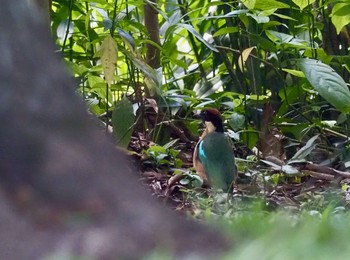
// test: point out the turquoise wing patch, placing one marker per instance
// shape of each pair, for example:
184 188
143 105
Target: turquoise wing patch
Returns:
201 152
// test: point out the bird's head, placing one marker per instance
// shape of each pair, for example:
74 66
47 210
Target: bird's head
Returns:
212 120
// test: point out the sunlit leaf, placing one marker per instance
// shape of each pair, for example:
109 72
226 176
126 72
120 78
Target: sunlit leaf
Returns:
270 4
109 56
284 17
62 32
190 29
249 3
126 11
340 15
303 3
296 73
329 84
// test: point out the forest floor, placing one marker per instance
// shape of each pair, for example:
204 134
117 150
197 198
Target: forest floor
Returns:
296 185
290 199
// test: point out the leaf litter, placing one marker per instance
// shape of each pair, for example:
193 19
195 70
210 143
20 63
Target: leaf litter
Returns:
312 178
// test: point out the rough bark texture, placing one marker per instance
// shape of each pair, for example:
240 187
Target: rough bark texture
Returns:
66 191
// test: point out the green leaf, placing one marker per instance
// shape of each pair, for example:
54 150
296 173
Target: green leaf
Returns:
249 3
190 29
285 39
94 80
340 15
320 54
303 3
296 73
225 30
237 121
157 150
285 17
170 144
327 83
260 18
278 37
123 119
269 4
151 78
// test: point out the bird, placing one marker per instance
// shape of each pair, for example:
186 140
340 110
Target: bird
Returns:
213 156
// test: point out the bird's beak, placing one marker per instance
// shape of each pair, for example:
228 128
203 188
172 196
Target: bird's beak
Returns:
197 115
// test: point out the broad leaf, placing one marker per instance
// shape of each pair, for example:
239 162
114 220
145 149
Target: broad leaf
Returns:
270 4
109 56
286 39
327 83
303 3
340 15
123 119
261 18
237 121
249 3
264 4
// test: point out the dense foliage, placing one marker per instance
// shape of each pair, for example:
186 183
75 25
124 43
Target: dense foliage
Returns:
277 69
235 55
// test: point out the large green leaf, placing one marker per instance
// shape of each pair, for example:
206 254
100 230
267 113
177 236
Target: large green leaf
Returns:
327 82
270 4
285 39
123 119
249 3
303 3
340 15
264 4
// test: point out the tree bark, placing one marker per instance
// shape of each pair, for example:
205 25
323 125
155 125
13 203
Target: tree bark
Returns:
65 189
152 25
44 7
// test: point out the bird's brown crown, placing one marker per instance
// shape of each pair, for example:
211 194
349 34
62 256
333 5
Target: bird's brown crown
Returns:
213 116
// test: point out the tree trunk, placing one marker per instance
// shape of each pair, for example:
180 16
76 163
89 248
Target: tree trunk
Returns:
44 7
152 25
66 190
